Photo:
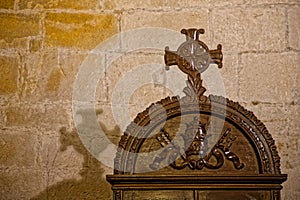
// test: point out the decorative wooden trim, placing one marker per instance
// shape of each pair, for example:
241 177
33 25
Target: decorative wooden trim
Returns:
262 181
118 195
260 178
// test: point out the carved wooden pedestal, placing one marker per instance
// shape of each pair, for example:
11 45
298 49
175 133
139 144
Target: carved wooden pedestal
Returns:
196 147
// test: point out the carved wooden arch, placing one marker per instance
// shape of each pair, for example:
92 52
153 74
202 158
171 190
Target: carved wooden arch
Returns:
255 130
193 57
166 148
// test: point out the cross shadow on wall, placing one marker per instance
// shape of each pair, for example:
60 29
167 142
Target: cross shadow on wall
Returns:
92 184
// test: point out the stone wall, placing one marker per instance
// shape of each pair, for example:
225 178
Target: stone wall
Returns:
44 42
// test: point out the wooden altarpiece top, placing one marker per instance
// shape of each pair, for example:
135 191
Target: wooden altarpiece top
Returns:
197 146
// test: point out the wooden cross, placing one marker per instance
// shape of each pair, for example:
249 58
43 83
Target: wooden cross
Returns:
193 56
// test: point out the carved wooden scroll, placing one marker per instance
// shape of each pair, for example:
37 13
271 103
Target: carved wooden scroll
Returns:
202 147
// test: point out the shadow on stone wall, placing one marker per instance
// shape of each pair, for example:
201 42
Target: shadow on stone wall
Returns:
92 184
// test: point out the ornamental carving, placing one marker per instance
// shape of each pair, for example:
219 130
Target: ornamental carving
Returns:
173 149
193 57
195 143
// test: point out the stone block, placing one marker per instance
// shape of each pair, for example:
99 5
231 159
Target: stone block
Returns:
134 81
81 31
17 149
288 148
35 74
277 128
54 80
272 115
145 95
131 71
90 186
58 155
70 64
268 77
62 4
174 81
296 91
219 3
109 121
90 81
37 116
17 27
268 112
20 183
201 3
9 67
293 116
245 29
2 119
294 27
70 167
16 43
291 187
169 20
229 76
131 4
9 4
35 44
52 77
274 2
4 100
140 99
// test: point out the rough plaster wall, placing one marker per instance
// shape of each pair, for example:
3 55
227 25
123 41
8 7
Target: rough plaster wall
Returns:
44 42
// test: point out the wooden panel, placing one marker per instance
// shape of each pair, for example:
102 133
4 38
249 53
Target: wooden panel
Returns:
158 194
233 195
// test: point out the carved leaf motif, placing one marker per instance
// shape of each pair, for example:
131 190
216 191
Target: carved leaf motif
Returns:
194 90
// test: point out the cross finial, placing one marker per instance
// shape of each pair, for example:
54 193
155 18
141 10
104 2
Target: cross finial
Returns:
192 33
193 56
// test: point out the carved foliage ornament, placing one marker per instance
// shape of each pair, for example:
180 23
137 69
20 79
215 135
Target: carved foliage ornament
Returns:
195 143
